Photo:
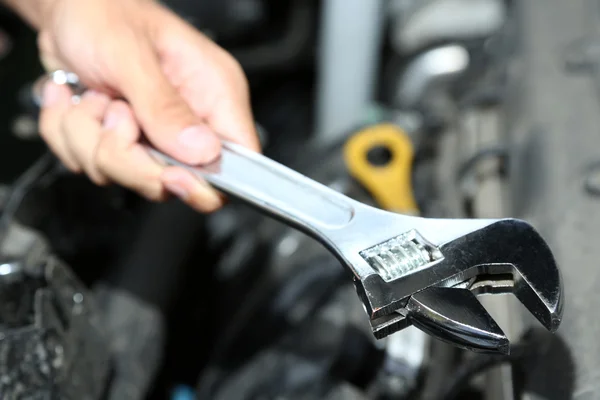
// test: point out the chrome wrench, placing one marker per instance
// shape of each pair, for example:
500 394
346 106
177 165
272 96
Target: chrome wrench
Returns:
407 270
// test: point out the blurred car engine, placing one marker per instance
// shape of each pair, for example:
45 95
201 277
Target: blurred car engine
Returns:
106 296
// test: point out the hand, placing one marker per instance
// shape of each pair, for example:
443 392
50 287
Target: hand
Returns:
181 91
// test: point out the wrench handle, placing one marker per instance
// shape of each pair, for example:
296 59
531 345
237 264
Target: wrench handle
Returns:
273 188
254 178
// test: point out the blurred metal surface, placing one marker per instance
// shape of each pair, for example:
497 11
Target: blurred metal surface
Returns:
554 139
351 38
285 51
485 188
55 344
63 340
135 333
59 337
304 363
418 24
221 19
429 70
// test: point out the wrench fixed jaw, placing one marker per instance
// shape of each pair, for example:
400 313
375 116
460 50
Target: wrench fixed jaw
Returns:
521 253
545 305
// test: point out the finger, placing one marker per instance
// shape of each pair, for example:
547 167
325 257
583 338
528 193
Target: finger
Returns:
122 159
234 121
82 125
47 51
193 191
166 118
232 116
56 101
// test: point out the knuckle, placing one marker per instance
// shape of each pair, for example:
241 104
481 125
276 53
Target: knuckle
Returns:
94 103
153 193
103 157
77 109
234 72
230 63
120 107
153 197
173 108
45 42
206 205
71 166
211 208
45 132
98 179
94 174
47 128
70 121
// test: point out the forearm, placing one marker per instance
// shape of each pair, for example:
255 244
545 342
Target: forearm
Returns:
31 11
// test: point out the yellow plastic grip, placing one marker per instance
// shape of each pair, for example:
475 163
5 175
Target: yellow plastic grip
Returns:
390 183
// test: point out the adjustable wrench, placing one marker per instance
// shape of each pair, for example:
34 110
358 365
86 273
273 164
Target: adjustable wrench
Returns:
407 270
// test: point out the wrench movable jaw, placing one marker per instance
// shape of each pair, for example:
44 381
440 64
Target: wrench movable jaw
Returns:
389 324
456 316
452 315
382 298
378 297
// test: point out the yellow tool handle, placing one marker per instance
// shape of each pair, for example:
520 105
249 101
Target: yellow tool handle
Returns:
389 180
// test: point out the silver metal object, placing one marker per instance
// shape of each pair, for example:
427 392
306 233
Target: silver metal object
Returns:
59 77
407 270
417 24
431 68
11 271
348 64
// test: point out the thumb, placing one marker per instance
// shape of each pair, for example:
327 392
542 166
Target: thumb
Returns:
166 118
48 57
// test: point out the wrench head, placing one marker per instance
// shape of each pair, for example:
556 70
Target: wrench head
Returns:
506 256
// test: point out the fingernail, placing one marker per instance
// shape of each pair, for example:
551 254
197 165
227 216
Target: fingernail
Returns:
199 144
51 94
177 190
98 98
111 120
90 94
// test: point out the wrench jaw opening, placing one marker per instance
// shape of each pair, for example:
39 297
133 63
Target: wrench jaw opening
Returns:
545 305
516 252
506 257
